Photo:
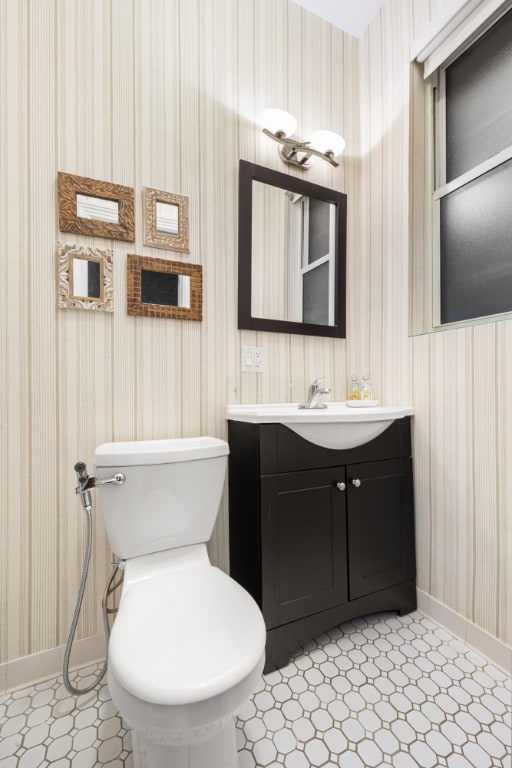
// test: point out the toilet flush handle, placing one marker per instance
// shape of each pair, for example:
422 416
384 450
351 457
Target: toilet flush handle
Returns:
118 479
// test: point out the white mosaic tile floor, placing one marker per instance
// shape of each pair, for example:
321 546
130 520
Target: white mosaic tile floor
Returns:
379 691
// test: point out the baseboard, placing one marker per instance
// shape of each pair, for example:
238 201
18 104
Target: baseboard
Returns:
495 650
32 669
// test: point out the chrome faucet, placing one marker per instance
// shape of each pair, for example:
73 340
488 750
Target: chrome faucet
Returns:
315 393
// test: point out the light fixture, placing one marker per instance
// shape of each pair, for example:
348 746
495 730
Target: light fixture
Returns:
279 125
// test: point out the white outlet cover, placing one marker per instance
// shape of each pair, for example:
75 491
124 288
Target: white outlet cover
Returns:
253 359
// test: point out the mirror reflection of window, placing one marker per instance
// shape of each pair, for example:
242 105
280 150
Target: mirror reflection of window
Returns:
86 279
97 208
167 219
165 289
317 270
293 256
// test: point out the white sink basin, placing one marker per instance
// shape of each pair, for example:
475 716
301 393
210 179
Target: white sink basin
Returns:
336 426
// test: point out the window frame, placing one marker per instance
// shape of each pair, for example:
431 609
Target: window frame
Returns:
446 44
442 188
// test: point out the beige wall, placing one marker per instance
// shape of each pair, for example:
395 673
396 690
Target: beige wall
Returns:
165 94
460 380
142 93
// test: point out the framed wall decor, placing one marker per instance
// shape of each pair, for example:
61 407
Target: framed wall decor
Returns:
85 278
166 220
98 208
161 288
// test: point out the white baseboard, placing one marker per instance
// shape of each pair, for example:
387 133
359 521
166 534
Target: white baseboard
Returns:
495 650
29 670
32 669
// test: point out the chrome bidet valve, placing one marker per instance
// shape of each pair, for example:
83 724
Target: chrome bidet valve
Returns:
83 484
86 483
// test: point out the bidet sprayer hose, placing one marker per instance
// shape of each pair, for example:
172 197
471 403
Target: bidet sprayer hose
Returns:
85 569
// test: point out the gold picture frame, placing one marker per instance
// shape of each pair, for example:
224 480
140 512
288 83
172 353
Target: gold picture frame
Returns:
98 208
85 278
166 220
161 288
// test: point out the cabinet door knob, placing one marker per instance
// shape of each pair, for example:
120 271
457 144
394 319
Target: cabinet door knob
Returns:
341 486
356 483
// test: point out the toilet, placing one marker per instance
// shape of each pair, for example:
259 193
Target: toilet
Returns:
187 645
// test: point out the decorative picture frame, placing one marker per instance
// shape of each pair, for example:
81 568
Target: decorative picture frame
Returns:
161 288
98 208
85 278
166 220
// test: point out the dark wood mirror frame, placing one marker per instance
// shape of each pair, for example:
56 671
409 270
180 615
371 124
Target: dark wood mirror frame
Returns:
250 172
69 186
136 306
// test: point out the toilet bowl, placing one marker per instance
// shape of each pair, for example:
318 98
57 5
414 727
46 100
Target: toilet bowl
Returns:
187 645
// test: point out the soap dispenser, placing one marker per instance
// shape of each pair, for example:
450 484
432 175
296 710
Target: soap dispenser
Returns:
366 388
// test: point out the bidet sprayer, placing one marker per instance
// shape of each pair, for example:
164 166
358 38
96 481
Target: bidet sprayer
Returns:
85 483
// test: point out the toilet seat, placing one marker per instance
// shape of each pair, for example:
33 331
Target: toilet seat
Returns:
185 636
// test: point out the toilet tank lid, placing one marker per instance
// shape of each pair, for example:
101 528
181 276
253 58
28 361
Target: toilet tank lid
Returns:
141 452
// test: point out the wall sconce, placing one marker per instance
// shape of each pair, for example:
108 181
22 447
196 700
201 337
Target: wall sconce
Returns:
280 126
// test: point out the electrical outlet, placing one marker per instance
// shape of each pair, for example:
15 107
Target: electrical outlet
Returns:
253 359
259 359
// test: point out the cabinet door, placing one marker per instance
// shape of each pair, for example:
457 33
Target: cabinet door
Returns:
303 528
380 525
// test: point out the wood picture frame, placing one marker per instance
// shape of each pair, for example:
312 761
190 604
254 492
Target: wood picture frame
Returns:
76 290
170 232
98 208
161 288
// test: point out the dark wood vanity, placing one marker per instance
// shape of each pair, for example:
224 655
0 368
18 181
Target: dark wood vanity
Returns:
319 536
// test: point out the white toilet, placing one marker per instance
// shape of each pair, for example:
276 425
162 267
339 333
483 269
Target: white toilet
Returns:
187 645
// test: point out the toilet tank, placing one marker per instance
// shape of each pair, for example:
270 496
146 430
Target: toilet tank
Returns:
170 497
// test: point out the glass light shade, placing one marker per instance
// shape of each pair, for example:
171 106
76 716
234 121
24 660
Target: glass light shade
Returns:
278 121
328 141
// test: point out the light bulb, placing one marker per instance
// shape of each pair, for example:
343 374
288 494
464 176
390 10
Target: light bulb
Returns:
328 142
278 121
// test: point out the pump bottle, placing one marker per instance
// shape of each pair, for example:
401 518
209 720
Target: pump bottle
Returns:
366 388
354 391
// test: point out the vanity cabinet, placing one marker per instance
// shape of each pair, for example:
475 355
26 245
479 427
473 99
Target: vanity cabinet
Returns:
319 536
303 543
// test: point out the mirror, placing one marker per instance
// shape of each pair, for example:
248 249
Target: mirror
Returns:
85 278
169 290
167 217
166 220
160 288
95 208
98 208
291 255
86 282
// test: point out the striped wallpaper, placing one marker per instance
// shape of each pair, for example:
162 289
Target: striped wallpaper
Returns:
166 94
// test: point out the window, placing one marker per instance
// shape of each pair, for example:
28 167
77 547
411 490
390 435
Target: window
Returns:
472 199
468 163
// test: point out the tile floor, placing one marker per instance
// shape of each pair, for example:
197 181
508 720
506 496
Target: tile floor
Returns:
378 691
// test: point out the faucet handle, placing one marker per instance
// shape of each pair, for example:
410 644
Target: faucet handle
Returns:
316 386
